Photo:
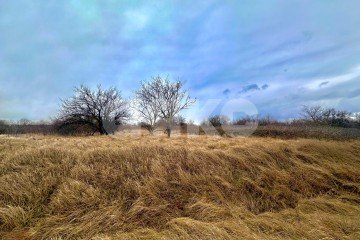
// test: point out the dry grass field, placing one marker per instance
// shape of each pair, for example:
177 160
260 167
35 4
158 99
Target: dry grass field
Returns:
181 188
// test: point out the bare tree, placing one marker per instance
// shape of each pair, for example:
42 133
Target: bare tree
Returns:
327 116
162 98
101 110
4 126
179 120
146 102
312 113
357 117
24 122
172 100
217 120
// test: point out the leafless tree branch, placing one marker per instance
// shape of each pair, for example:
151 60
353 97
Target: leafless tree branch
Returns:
99 109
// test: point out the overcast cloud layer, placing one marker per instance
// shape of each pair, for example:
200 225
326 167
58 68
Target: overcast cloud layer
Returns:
278 55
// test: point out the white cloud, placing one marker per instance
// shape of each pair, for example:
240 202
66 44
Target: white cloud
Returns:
136 20
333 81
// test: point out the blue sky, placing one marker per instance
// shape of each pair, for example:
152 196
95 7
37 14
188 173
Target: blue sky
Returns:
277 55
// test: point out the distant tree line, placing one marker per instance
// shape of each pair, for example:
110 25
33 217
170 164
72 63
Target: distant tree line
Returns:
157 106
337 126
310 115
23 127
330 116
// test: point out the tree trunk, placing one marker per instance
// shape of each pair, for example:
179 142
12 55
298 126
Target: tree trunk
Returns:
151 129
168 127
102 130
168 131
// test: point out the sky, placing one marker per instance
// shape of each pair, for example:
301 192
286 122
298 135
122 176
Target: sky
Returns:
275 55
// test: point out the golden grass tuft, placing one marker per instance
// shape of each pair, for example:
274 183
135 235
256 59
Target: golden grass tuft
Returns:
181 188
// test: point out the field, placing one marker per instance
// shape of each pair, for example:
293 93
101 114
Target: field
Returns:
199 187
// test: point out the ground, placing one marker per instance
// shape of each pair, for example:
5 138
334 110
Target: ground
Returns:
125 187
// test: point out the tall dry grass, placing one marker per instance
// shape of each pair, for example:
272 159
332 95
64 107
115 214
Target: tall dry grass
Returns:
181 188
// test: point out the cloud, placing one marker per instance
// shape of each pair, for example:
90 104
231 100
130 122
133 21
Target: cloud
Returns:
265 86
334 80
290 44
136 20
253 87
122 42
226 91
248 88
323 83
353 94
